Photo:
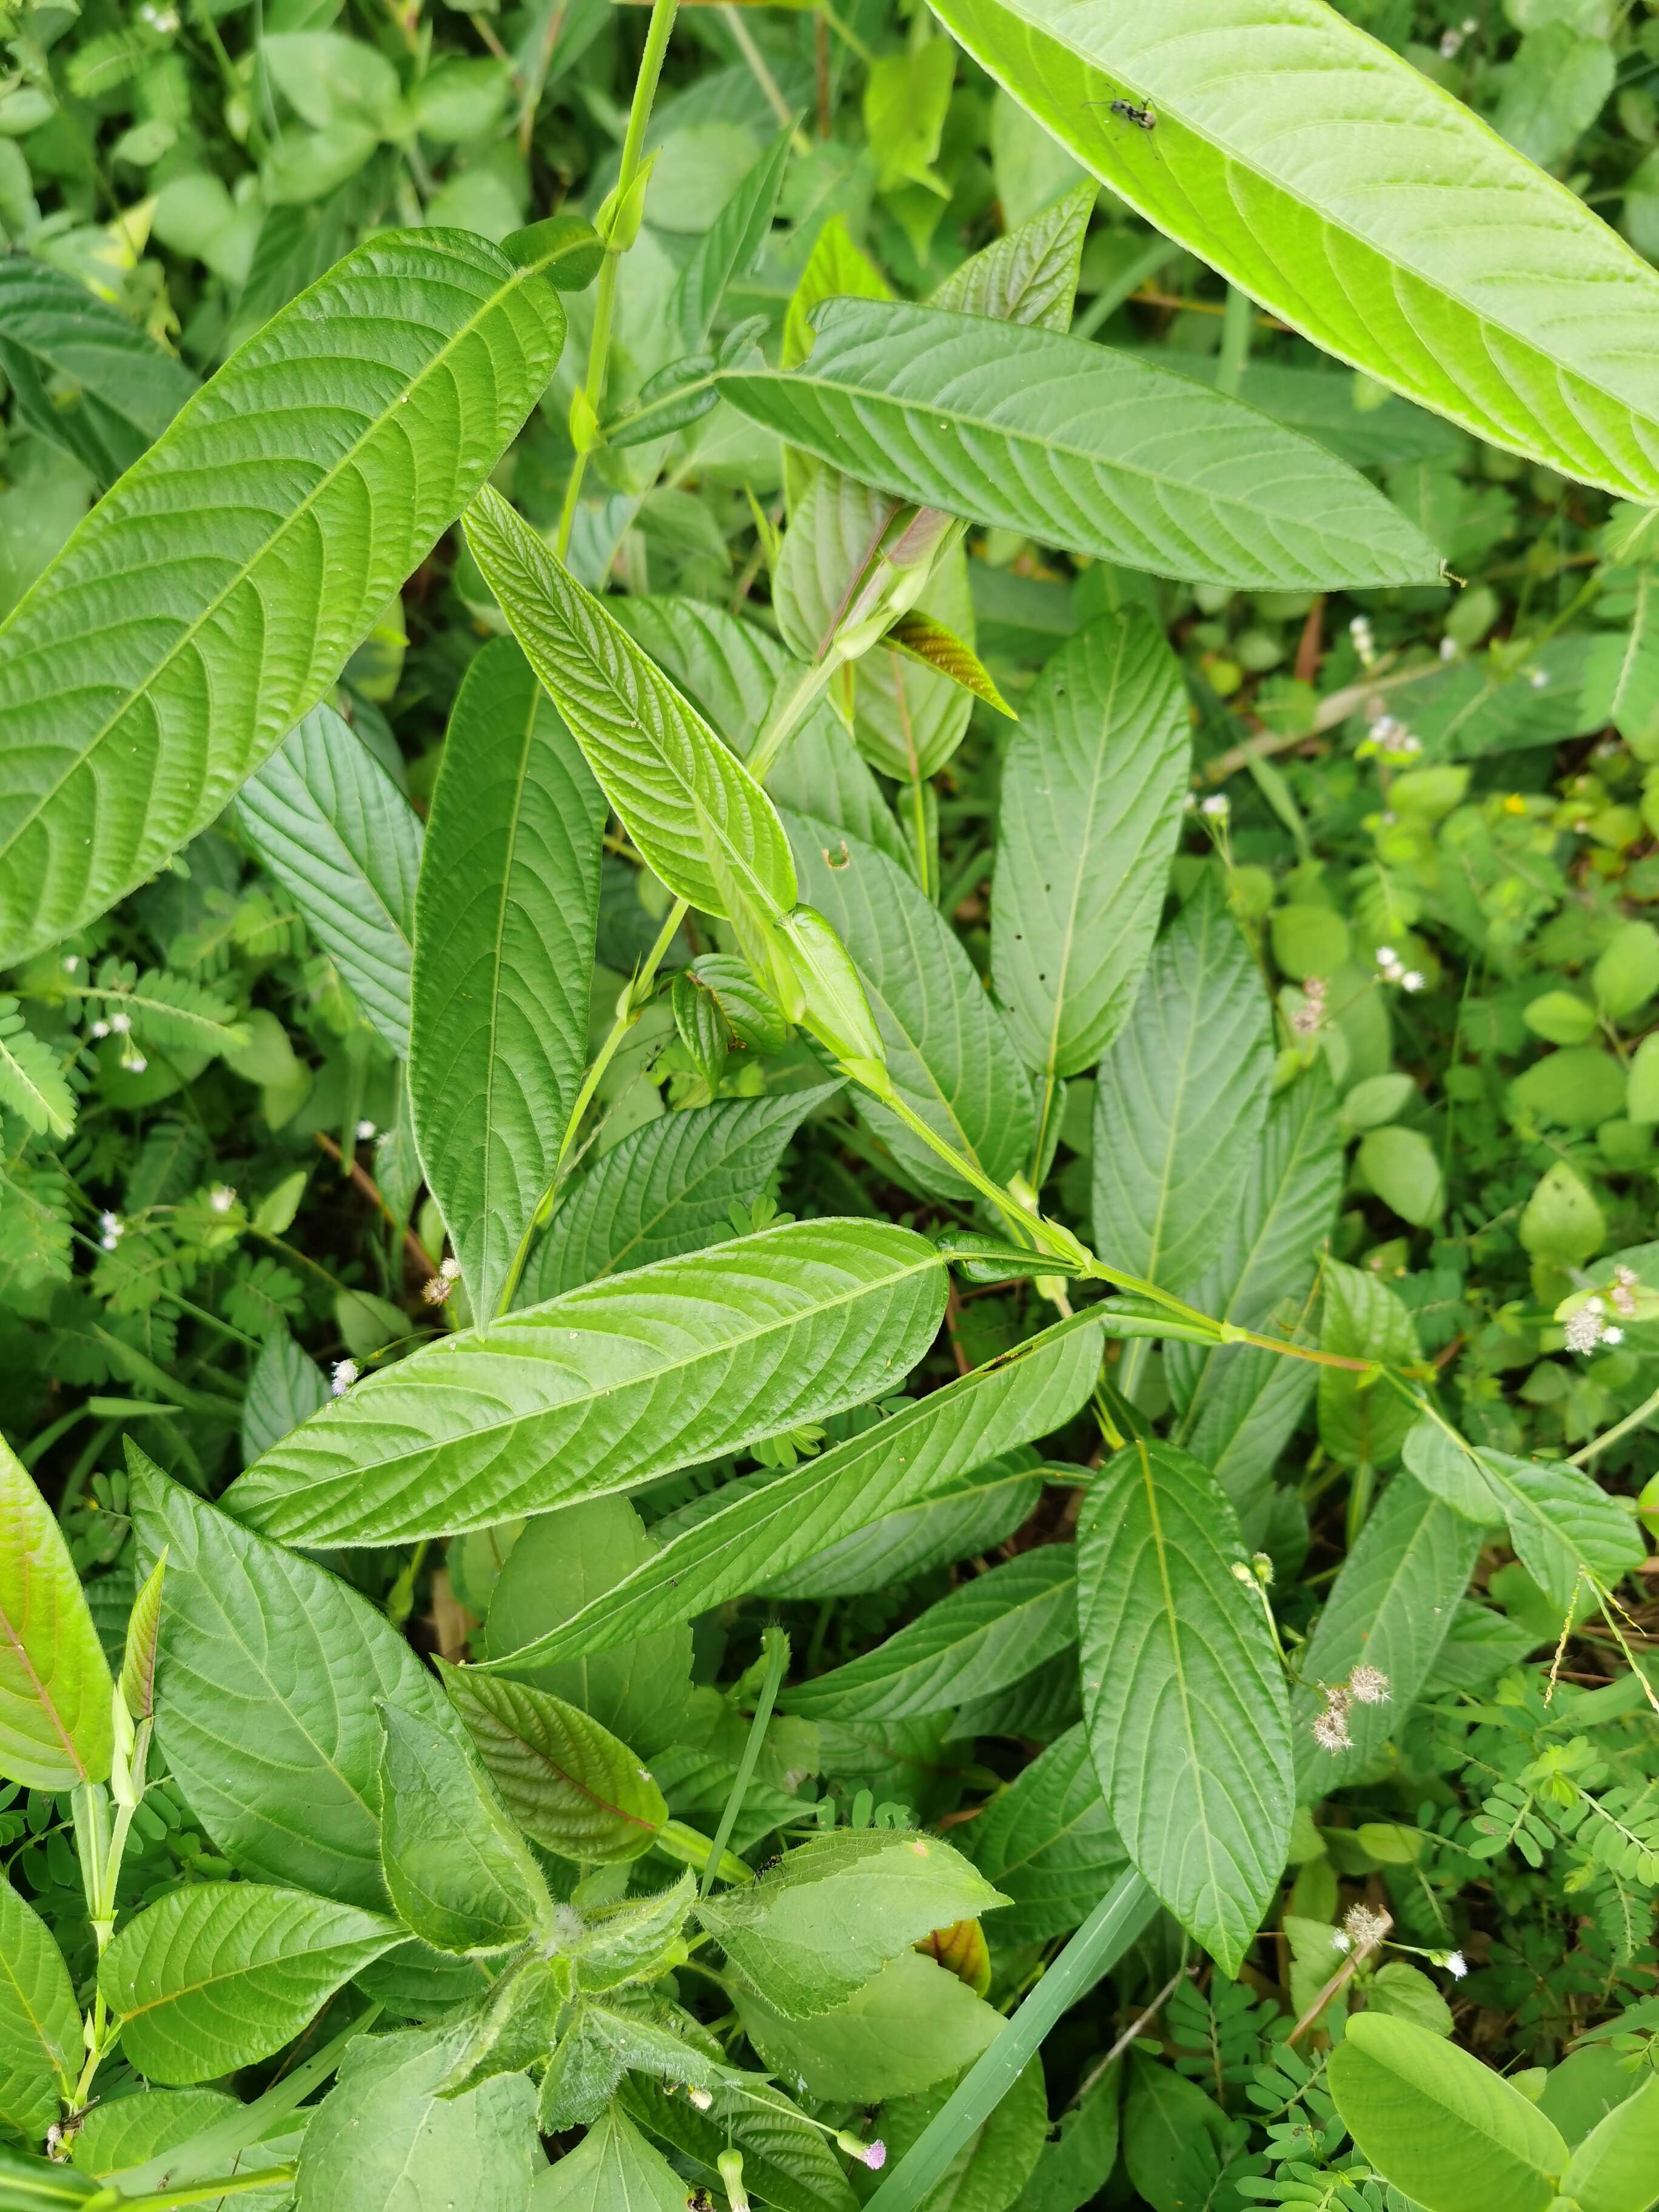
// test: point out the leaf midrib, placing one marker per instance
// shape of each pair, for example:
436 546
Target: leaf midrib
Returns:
90 751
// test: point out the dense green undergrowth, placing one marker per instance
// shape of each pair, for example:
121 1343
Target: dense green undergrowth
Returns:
829 1107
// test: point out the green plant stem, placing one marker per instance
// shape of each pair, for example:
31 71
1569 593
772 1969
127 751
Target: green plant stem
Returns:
1103 1939
777 1658
1643 1414
194 2192
1235 342
605 298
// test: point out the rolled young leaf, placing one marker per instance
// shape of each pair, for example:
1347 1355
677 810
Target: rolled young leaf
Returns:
332 826
54 1687
1360 202
215 594
607 1386
1099 453
695 813
1183 1694
505 914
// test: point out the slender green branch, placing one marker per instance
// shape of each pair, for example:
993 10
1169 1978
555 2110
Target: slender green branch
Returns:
777 1658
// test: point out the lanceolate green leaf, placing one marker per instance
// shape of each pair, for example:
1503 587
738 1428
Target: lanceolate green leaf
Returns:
335 830
1180 1101
81 373
221 1973
269 1669
1360 202
926 1446
1029 274
1390 1606
1100 452
458 1871
694 810
967 1520
54 1687
214 595
568 1783
1183 1694
1092 787
668 1187
948 1053
505 916
988 1632
731 245
40 2048
607 1386
1048 1842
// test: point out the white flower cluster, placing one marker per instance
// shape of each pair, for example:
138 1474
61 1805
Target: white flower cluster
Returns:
111 1228
1389 735
121 1026
1364 644
1589 1329
222 1197
345 1374
1451 42
1365 1685
1392 970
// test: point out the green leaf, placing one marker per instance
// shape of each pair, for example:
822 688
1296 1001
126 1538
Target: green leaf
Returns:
987 1634
336 833
505 915
282 1765
387 2139
1356 254
562 1563
950 1055
966 1519
1183 1694
1181 1100
669 1187
734 672
833 1911
1076 2164
29 2181
730 247
694 812
1171 2137
913 2024
1048 1843
221 1973
1092 787
82 374
786 2159
458 1872
925 1447
1404 1993
612 2169
569 1783
249 550
143 1645
1391 1606
1563 1526
32 1082
1403 1169
1028 275
129 2132
672 1365
1616 2167
285 1386
1361 1419
1100 452
40 2048
996 2159
54 1687
1440 2126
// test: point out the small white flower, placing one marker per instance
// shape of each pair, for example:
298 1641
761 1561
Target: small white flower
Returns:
1340 1942
1449 648
222 1197
1369 1685
1330 1729
435 1290
135 1063
1612 1336
99 1030
71 962
1625 1287
345 1374
110 1240
1594 1305
1456 1964
1387 956
450 1269
701 2098
108 1222
120 1023
1584 1329
365 1131
1412 980
1364 1926
1539 678
1218 807
1451 44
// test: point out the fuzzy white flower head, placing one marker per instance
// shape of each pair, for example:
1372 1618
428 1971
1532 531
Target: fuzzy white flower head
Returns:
1625 1287
1451 44
1342 1943
345 1374
1330 1729
99 1030
1369 1685
1218 807
1585 1329
71 962
111 1226
1612 1336
450 1269
1456 1964
435 1290
1387 956
1364 1925
1449 648
222 1197
135 1063
120 1023
1539 678
703 2099
1413 980
365 1131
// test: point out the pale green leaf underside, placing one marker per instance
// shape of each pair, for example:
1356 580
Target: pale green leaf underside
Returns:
1181 1100
55 1684
336 833
221 1973
694 813
925 1447
1183 1695
504 923
1064 442
215 594
966 1520
1343 189
607 1386
40 2048
1092 787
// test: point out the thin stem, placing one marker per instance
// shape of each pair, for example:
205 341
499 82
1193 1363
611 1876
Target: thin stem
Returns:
197 2193
604 297
743 41
1235 342
1136 2028
1643 1413
777 1647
